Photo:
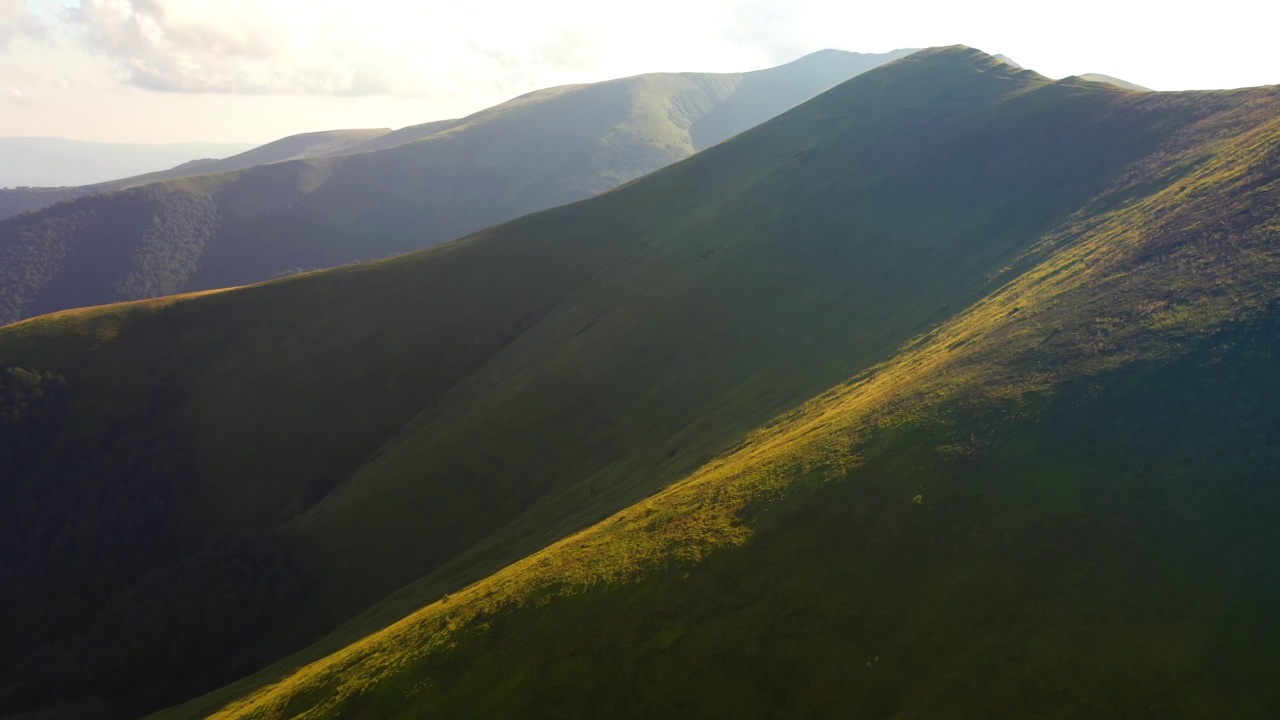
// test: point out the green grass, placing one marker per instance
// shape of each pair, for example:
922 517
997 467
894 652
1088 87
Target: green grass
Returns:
948 227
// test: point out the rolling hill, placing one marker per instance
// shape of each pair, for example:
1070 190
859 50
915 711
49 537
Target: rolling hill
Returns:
944 393
441 182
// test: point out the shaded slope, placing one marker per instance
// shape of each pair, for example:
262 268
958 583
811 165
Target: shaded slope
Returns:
1092 447
544 149
454 410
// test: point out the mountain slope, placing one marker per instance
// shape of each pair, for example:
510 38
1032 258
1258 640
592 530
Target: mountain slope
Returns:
1059 504
544 149
432 418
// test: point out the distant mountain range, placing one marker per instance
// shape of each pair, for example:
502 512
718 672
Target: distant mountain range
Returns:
328 199
948 393
53 162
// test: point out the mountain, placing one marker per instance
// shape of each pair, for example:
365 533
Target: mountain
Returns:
33 161
14 201
953 377
450 178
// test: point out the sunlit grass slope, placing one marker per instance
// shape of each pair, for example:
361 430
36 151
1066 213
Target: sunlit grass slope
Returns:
418 423
1058 504
349 196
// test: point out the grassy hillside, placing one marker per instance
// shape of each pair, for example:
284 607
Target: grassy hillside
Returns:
544 149
295 147
1056 505
418 423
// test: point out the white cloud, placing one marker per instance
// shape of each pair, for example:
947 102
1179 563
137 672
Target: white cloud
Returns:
329 47
16 21
236 47
768 25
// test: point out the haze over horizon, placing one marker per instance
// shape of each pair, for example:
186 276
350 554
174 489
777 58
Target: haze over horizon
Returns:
160 71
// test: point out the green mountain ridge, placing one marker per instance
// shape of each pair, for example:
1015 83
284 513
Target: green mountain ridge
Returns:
969 242
391 193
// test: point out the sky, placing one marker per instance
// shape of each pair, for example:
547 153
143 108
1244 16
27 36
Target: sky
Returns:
161 71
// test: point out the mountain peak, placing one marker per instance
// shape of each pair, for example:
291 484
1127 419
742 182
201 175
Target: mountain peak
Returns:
935 76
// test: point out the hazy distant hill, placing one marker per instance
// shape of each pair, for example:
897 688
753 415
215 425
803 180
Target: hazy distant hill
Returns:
1092 77
52 162
308 145
404 135
1099 77
537 151
295 147
952 378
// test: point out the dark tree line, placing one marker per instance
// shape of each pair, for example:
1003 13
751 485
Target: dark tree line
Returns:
111 604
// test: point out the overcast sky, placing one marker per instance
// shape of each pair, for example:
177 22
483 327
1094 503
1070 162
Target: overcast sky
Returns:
255 70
